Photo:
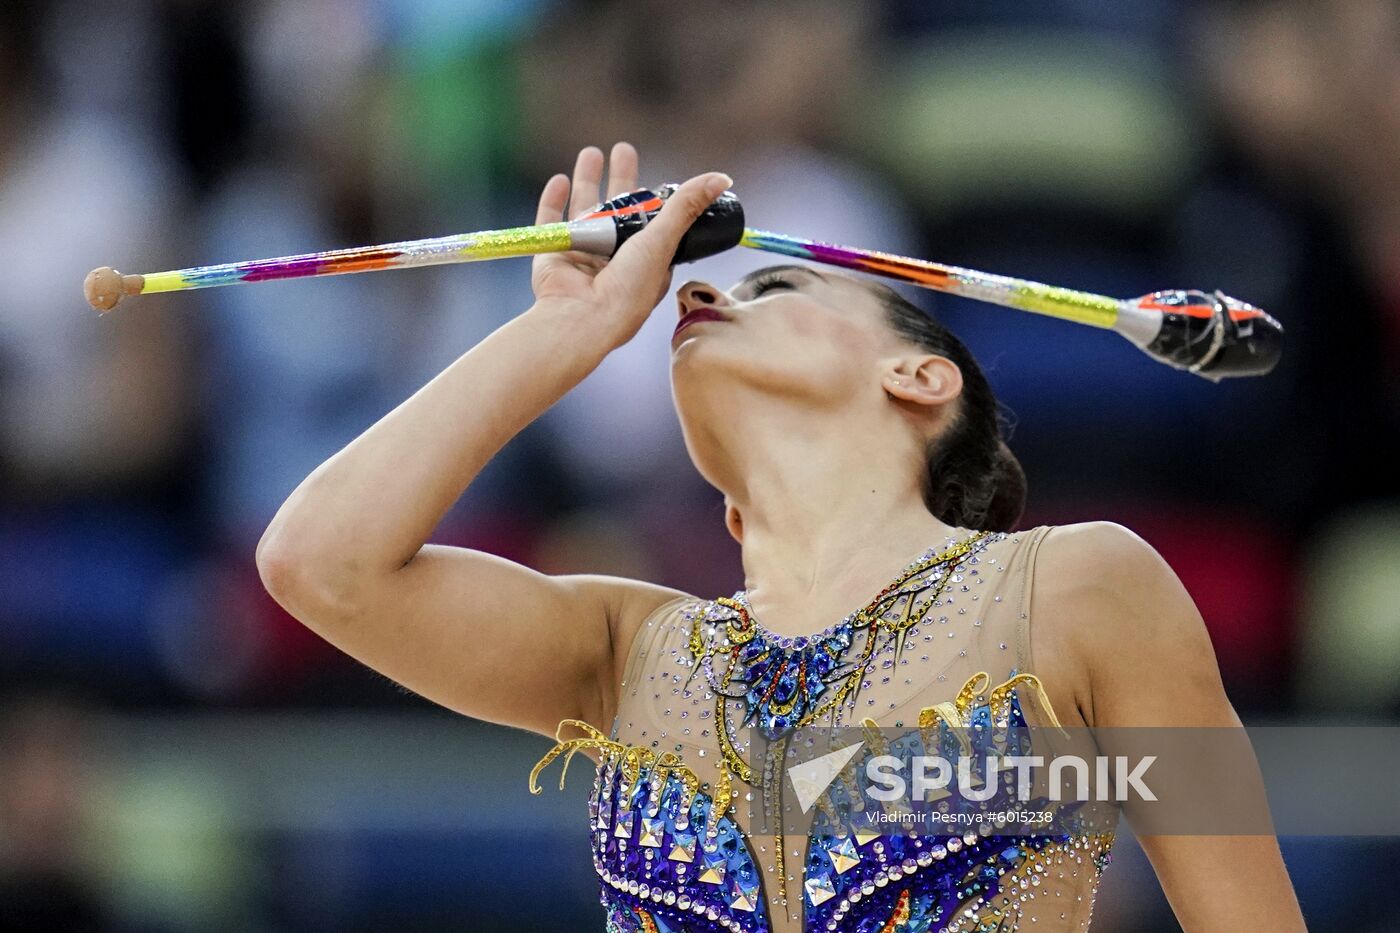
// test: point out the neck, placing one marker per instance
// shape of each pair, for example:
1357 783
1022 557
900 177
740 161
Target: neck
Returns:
828 517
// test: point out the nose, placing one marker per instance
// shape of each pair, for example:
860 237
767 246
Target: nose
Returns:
694 295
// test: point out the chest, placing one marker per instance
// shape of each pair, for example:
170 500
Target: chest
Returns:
680 815
709 680
682 842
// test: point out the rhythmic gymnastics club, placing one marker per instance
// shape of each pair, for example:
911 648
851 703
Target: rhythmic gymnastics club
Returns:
600 232
1211 335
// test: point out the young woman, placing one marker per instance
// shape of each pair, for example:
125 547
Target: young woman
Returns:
856 443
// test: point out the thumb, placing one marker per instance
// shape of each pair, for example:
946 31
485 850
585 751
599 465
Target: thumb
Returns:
659 239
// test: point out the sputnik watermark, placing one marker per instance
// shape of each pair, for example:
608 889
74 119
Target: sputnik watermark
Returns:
931 777
997 818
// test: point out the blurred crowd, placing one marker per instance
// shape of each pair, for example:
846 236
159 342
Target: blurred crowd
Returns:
1246 145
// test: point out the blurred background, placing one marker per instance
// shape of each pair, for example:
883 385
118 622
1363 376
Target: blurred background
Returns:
176 754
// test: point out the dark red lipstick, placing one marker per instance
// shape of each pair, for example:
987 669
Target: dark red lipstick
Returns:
694 316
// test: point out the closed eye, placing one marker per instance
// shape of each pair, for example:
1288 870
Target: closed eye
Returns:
769 282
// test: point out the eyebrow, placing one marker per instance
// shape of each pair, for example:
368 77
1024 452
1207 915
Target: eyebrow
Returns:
757 274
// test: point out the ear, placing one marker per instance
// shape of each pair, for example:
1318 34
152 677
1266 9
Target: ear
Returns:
734 522
924 380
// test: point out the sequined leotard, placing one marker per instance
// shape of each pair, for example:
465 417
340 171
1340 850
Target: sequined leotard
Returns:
948 638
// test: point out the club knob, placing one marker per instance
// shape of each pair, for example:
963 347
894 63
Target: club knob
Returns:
104 287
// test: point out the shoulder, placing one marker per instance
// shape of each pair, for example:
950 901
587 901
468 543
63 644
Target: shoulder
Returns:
1101 560
1116 609
1102 542
628 605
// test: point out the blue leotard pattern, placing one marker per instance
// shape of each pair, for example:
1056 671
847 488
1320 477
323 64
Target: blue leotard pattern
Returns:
669 865
675 787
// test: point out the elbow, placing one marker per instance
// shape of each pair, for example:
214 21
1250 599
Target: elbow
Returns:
305 580
279 567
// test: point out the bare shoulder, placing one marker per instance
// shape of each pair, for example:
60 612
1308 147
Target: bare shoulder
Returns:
1117 615
1100 565
1108 548
628 603
636 601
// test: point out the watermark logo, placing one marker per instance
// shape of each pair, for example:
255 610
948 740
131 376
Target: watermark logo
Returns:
811 779
931 777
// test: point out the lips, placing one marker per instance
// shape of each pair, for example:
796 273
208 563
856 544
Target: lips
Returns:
694 316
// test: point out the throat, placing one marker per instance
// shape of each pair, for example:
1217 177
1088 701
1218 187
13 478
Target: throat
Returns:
819 616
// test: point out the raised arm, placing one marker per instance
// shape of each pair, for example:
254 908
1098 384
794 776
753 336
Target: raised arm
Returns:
1113 612
477 633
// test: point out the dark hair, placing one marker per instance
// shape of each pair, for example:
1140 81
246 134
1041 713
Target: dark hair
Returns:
971 478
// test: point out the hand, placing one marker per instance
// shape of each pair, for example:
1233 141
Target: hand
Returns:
615 295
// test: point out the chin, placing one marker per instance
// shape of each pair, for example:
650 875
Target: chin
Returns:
697 356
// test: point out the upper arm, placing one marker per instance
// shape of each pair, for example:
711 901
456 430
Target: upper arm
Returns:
491 638
1146 659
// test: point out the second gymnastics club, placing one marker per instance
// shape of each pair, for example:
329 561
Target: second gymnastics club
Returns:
1209 334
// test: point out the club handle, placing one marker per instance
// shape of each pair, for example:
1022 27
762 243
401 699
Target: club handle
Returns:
719 227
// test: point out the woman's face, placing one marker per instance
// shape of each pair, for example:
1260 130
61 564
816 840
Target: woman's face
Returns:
788 331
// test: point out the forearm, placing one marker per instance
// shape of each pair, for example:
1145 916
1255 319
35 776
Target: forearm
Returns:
367 510
345 535
1217 884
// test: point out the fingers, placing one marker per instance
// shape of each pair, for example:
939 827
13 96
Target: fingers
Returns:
622 170
656 244
553 199
583 193
664 232
588 178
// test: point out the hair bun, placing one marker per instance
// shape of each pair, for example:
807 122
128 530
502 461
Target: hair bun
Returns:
1009 491
971 479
